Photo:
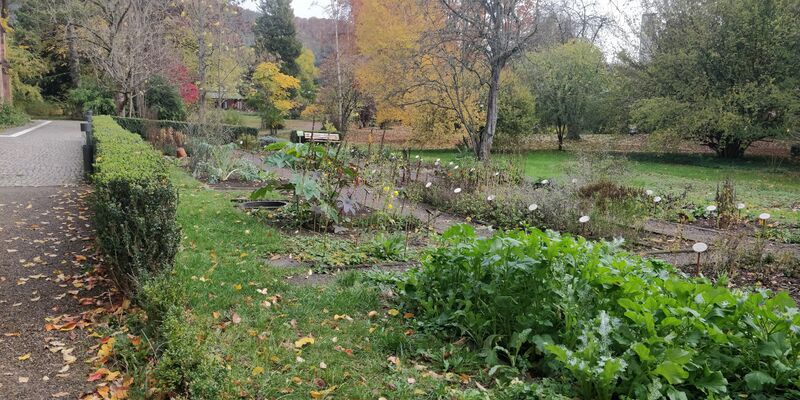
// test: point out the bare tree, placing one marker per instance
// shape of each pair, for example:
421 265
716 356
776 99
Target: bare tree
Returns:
214 30
124 41
566 20
338 69
491 32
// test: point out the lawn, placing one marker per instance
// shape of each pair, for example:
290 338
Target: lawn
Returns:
250 119
237 329
764 185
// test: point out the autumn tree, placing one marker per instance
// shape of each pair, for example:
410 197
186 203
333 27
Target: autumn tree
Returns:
307 73
448 55
409 78
487 34
203 24
341 92
276 36
271 93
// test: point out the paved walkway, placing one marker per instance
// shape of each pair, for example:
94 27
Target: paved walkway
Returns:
47 156
45 248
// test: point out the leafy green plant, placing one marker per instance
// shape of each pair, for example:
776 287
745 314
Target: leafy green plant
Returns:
10 116
318 183
388 247
164 100
219 163
615 324
85 98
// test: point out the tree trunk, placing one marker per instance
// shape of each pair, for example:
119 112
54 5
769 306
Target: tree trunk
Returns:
201 74
339 95
487 136
74 59
120 101
731 149
5 78
560 133
573 133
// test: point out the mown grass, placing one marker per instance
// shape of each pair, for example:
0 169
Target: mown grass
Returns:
219 315
765 185
250 119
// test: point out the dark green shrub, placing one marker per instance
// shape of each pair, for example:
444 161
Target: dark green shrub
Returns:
43 108
163 99
87 98
134 205
617 325
223 133
11 116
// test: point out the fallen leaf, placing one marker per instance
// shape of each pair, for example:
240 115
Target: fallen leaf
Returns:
300 343
393 312
24 357
322 393
23 379
258 371
235 318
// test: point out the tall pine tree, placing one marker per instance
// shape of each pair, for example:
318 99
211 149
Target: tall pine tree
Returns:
276 35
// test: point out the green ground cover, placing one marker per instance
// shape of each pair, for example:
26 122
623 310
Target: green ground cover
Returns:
764 185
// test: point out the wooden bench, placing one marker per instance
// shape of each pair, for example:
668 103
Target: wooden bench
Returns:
316 137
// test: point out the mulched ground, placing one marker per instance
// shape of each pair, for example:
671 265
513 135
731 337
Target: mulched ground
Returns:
46 274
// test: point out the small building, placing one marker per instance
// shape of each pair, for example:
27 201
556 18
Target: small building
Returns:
227 101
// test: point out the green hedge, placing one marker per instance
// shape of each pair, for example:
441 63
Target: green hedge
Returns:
134 205
228 133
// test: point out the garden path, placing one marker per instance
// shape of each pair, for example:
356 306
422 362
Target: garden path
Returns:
45 247
713 237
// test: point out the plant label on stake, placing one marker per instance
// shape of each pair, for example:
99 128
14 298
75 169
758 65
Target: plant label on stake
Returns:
699 248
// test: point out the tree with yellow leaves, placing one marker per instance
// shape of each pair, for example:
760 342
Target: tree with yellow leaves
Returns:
409 77
271 94
446 55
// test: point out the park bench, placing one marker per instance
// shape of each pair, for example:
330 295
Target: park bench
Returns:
316 137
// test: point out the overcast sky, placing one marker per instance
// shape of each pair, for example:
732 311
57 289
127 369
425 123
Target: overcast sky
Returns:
302 8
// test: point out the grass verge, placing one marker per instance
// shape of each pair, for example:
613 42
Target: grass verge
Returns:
224 324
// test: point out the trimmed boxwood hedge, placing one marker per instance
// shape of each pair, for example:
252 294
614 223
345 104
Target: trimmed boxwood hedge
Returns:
141 126
134 205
